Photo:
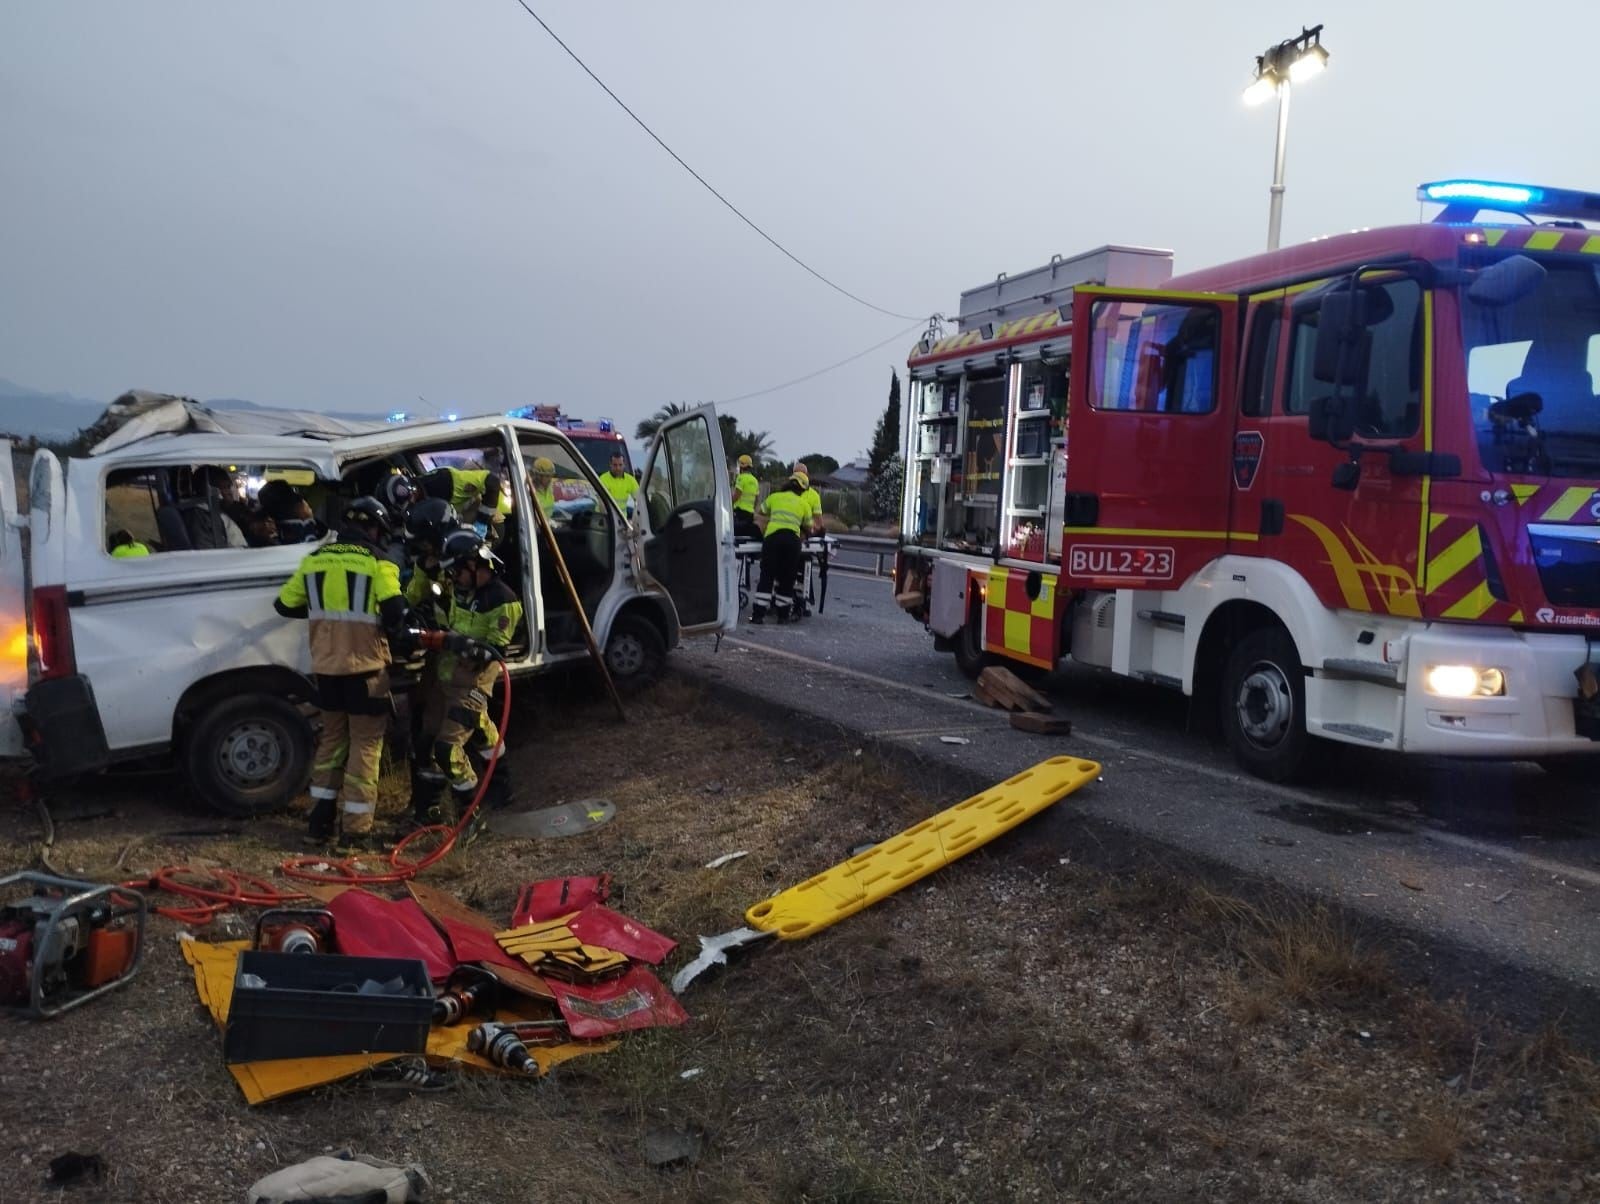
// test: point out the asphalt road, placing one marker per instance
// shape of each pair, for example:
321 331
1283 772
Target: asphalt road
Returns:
1495 858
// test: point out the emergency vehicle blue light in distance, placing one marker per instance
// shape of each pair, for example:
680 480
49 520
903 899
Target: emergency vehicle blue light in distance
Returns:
398 416
1480 190
452 416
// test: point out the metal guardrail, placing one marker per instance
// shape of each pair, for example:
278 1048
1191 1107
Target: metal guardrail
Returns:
877 547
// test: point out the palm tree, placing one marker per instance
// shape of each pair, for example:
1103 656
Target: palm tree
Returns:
738 442
648 427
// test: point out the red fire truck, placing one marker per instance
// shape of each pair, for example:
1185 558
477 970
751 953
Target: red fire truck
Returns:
1347 490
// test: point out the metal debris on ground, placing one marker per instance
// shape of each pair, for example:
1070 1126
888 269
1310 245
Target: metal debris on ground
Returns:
954 740
714 952
566 819
716 863
671 1147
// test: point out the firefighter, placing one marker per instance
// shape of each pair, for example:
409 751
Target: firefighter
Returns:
620 483
788 518
351 596
396 491
813 501
484 612
746 492
427 524
477 494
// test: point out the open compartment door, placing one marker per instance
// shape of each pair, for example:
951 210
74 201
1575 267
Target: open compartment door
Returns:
688 521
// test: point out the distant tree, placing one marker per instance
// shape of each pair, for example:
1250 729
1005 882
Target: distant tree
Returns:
886 487
886 436
736 441
819 464
648 427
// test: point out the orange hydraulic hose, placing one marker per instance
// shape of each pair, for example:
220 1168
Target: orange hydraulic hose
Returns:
213 891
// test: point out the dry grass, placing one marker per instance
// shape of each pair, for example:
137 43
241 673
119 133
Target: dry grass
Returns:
1308 952
1013 1028
1438 1139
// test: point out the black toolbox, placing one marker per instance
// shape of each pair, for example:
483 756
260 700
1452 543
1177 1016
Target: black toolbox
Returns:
310 1005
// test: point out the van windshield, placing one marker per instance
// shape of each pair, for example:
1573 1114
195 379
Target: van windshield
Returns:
1531 372
598 451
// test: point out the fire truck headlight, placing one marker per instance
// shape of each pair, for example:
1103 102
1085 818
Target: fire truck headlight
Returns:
1464 681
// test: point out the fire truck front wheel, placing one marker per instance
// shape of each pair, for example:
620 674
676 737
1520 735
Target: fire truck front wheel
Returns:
1264 705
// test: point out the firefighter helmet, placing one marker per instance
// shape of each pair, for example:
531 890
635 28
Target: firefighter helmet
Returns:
429 522
465 548
367 512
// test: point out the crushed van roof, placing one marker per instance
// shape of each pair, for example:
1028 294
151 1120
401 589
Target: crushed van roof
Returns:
139 415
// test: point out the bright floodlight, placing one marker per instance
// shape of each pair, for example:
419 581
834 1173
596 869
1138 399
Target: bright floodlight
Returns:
1261 91
1308 64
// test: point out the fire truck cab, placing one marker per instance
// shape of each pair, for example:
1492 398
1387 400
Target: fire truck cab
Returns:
1346 490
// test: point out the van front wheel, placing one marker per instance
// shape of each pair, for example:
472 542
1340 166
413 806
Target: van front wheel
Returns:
635 652
249 754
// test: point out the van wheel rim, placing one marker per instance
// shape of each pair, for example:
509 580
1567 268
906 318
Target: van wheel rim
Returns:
251 754
626 656
1265 705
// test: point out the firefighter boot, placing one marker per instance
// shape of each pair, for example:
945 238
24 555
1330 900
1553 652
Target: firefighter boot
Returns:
498 792
425 790
320 824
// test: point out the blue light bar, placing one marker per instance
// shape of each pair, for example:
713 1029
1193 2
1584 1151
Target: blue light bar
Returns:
1462 199
1480 190
398 416
452 416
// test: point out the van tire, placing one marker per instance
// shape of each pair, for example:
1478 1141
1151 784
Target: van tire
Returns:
1263 705
968 646
249 754
635 652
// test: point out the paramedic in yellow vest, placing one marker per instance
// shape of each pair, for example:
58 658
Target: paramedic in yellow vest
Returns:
620 484
813 501
541 484
351 596
484 612
788 518
746 493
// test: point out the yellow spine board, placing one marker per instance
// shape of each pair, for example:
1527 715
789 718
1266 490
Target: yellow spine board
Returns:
918 851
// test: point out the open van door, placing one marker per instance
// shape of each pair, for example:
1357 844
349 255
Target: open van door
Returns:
13 612
688 521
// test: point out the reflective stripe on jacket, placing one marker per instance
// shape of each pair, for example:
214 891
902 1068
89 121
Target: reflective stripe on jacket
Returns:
340 588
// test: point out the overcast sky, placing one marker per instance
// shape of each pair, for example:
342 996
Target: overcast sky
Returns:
345 205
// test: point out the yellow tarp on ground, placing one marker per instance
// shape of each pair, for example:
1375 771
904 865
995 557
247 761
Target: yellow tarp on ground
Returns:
918 851
214 969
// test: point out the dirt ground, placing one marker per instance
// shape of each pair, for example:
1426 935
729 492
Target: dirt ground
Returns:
1016 1027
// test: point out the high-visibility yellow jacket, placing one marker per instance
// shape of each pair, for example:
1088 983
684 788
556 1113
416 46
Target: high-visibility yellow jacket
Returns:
749 489
489 615
785 511
620 488
123 551
350 595
813 501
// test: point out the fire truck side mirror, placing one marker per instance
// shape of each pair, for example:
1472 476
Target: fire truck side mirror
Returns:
1344 344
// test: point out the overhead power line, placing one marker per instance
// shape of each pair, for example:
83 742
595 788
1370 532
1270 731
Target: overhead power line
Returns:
800 380
704 183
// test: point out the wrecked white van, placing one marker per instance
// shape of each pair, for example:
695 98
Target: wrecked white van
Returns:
115 657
